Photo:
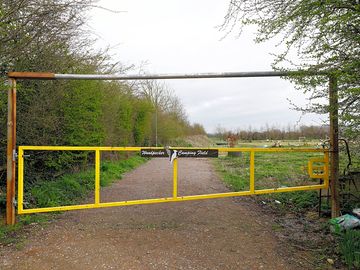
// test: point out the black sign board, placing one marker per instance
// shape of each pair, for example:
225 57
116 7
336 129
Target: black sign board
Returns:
186 153
153 153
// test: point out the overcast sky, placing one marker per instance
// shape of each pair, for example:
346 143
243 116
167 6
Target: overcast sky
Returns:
181 36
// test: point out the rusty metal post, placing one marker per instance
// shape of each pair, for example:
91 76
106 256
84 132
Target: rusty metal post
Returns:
11 154
334 146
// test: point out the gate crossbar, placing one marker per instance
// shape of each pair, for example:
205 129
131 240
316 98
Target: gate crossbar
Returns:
175 198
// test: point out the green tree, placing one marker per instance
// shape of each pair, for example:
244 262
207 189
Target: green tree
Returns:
118 113
325 35
82 111
142 122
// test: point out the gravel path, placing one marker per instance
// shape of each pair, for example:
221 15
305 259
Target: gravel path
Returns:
208 234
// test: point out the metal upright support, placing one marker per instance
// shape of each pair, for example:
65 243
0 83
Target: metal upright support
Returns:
11 154
156 125
252 172
334 146
175 178
97 176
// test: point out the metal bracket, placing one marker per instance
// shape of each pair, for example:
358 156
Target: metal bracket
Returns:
316 171
15 155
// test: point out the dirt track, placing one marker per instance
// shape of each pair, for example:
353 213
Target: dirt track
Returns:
209 234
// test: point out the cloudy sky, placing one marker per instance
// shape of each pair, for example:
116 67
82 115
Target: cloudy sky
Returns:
181 36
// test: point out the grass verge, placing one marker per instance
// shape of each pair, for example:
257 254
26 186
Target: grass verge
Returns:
272 170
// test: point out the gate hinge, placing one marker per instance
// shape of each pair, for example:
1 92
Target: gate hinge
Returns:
14 202
15 155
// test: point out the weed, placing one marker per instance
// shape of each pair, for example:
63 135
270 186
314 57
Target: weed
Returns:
7 230
276 227
34 218
350 248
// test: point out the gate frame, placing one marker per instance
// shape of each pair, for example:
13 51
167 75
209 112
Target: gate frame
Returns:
315 172
11 123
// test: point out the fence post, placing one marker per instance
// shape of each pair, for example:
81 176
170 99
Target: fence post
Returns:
97 176
252 172
11 155
334 146
175 178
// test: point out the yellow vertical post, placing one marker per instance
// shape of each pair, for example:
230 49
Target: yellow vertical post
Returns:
20 180
97 176
175 176
252 172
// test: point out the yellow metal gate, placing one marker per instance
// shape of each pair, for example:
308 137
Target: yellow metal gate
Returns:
314 171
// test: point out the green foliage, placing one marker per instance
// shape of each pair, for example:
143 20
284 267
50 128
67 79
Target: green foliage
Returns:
34 218
71 188
49 36
5 231
81 109
272 170
8 234
350 248
298 201
142 124
112 171
325 37
62 191
235 182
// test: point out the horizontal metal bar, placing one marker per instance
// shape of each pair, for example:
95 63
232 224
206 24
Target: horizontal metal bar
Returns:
169 199
171 76
82 148
52 76
290 189
32 75
135 148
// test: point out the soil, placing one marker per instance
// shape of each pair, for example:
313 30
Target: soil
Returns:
223 233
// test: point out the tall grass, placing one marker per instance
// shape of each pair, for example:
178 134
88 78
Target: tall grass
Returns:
350 248
72 188
272 170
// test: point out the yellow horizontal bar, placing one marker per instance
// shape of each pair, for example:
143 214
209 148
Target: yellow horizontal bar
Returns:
220 149
315 150
169 199
82 148
318 167
289 189
56 208
317 160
